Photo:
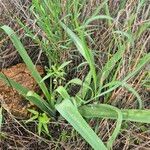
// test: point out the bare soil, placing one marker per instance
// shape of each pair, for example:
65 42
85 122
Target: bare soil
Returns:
12 101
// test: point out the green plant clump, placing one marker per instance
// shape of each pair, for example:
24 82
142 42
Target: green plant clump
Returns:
62 29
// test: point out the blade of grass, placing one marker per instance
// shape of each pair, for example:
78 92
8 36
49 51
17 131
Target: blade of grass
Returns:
71 114
19 47
84 86
112 62
84 50
125 34
37 100
118 125
114 85
143 61
83 91
100 111
97 18
134 92
107 12
63 92
97 10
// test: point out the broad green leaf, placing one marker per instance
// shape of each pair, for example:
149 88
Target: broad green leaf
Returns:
100 111
62 91
71 114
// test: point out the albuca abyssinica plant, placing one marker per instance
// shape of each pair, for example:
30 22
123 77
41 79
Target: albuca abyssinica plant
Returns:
85 103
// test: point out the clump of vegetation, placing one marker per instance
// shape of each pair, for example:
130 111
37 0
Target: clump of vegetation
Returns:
111 46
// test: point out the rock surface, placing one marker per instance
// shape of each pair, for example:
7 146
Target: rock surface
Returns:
10 99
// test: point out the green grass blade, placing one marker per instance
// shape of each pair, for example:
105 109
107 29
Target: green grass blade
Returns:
134 92
107 12
112 62
118 125
125 34
97 18
22 90
143 61
115 84
100 111
63 65
98 8
63 92
84 50
19 47
84 86
76 41
39 102
71 114
83 91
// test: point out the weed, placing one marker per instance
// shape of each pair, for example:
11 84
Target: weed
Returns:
43 121
61 30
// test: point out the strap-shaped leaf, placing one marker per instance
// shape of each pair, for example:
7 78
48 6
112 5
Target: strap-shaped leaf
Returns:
71 114
100 111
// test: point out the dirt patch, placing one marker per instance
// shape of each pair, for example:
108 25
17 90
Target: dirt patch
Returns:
10 98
